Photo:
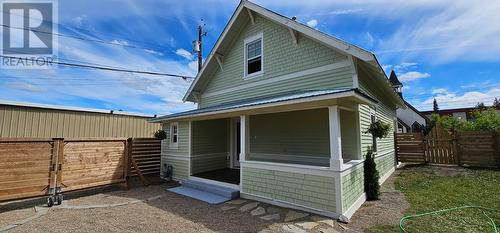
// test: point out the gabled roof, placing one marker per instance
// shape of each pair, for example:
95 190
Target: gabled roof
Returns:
238 21
394 78
421 114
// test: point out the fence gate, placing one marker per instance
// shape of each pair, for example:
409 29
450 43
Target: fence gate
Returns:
25 167
440 146
410 147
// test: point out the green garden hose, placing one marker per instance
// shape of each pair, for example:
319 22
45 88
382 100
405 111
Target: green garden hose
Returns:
494 226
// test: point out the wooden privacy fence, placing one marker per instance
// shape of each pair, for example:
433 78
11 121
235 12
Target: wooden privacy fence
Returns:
465 148
145 157
31 167
410 147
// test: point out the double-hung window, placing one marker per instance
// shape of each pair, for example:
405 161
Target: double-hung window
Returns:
253 56
174 134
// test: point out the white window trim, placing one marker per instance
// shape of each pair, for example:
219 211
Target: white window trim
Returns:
247 41
171 143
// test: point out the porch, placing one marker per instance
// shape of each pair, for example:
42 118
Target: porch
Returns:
305 155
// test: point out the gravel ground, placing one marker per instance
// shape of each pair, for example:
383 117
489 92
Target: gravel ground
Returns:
388 210
170 213
11 216
174 213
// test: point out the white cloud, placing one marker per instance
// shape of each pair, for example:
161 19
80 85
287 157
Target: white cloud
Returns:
405 65
387 68
193 66
346 11
413 75
120 42
369 39
78 20
153 52
462 31
312 23
454 100
440 91
27 87
184 53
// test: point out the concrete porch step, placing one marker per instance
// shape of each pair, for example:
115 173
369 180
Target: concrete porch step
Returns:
207 192
199 195
212 188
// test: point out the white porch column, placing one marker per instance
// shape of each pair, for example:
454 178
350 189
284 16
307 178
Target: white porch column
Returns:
335 138
244 146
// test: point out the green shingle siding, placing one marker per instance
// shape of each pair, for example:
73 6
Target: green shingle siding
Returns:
208 162
177 157
210 136
180 166
183 140
384 114
298 133
209 145
307 190
385 163
281 57
352 187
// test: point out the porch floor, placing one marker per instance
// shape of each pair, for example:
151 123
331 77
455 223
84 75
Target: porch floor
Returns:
227 175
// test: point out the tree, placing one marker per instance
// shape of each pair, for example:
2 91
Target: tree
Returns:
480 105
372 187
435 106
487 119
496 102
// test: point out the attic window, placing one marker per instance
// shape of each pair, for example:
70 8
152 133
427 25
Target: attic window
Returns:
253 56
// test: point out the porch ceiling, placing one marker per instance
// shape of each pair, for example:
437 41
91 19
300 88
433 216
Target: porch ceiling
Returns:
280 103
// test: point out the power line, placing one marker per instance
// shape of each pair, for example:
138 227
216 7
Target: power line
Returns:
108 68
81 38
91 31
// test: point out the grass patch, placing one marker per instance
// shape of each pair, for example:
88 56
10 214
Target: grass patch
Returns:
434 188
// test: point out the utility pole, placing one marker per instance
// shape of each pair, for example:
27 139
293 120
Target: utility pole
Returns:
197 45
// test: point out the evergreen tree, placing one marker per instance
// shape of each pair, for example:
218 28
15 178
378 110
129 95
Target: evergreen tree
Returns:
496 102
480 105
435 106
372 187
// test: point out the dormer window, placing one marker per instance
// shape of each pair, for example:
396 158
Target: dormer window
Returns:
253 56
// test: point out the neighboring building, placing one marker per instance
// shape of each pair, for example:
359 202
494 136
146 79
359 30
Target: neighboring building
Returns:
409 119
464 114
283 113
49 121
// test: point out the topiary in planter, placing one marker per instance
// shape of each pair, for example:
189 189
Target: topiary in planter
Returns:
372 187
160 134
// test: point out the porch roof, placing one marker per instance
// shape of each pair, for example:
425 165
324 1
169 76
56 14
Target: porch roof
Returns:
288 98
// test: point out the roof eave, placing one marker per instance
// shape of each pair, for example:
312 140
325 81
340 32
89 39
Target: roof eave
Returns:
362 97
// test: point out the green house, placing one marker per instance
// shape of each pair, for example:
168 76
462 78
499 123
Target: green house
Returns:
282 116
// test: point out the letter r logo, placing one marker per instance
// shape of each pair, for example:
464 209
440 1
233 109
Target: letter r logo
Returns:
27 28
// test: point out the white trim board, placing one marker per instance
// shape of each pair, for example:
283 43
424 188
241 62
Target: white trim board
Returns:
386 175
247 41
209 156
176 157
354 207
288 205
293 168
333 66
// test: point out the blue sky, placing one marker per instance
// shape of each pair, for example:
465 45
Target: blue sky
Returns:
443 49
